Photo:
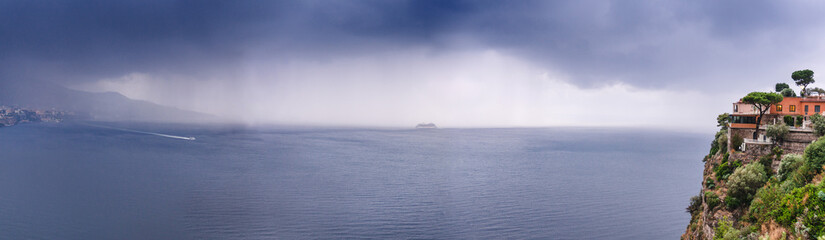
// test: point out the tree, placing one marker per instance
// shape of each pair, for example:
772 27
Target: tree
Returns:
736 141
803 78
777 132
712 199
788 93
695 205
781 86
722 121
788 165
788 120
763 102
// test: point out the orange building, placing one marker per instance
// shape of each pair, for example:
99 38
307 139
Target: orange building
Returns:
744 115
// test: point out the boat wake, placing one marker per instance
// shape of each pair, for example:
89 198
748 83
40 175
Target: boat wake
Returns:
167 135
143 132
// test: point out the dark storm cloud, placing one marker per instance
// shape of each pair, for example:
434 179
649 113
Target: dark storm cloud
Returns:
645 43
93 38
110 37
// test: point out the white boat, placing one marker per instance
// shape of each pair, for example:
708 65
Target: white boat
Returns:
426 125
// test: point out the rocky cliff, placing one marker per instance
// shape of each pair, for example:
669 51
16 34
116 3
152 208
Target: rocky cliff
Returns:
768 191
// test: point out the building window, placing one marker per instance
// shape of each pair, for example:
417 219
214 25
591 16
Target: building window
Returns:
735 107
816 108
792 108
742 119
778 107
806 109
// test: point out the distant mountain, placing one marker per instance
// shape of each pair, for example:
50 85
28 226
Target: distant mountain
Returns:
108 106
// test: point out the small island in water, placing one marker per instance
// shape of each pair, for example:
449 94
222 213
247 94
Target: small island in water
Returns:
426 126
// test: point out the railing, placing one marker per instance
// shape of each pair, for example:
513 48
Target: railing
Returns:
759 141
805 127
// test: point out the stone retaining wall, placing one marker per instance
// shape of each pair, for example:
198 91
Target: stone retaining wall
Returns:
795 142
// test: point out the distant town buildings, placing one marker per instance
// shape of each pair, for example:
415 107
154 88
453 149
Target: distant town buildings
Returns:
14 115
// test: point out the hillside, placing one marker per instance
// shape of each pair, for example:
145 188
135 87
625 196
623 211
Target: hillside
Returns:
108 106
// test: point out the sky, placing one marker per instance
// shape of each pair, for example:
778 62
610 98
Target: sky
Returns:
399 63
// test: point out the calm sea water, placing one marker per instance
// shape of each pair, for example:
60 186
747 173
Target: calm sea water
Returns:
73 181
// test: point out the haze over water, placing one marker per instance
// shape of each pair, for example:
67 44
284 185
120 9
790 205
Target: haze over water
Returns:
73 181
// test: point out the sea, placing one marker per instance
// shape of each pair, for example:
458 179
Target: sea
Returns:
97 180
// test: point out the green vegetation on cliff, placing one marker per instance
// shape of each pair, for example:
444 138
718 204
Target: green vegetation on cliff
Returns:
755 201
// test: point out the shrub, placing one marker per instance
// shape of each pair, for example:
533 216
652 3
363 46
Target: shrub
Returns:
788 165
818 124
789 185
732 202
736 141
695 205
815 155
726 231
798 178
788 120
735 164
778 132
777 151
804 204
744 181
766 202
712 200
724 169
722 140
766 162
710 184
799 121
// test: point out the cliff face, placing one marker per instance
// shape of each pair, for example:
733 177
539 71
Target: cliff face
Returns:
702 225
766 192
713 211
